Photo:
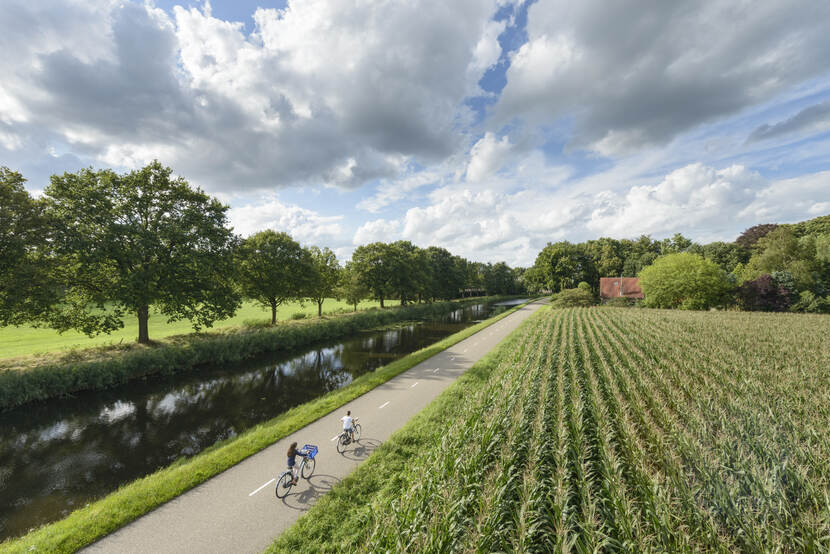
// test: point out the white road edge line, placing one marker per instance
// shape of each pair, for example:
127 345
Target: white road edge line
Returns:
415 384
334 438
263 486
382 406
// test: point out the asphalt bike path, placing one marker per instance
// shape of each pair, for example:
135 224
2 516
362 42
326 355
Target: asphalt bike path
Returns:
237 511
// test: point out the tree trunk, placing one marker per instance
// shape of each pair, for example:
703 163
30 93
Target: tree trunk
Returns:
143 331
381 302
320 308
273 312
355 306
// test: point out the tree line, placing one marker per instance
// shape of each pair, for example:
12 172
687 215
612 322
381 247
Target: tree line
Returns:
99 246
769 267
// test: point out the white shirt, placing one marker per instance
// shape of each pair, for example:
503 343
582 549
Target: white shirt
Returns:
347 422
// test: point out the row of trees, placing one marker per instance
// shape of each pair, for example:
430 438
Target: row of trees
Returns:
99 245
768 267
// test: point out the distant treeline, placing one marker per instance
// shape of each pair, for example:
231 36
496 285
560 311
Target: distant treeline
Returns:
769 267
99 246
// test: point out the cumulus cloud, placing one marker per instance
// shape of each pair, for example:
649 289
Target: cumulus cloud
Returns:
324 91
641 72
305 226
487 156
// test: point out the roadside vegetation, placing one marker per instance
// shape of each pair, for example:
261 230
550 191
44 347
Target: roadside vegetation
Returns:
606 429
92 369
88 524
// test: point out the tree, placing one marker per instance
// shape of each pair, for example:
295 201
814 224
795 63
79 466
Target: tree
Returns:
446 272
128 242
350 287
763 294
686 281
325 277
26 291
274 268
373 266
748 238
573 298
565 264
782 250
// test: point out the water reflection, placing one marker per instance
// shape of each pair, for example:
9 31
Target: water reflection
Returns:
56 456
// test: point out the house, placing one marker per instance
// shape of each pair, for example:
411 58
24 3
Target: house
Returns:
614 287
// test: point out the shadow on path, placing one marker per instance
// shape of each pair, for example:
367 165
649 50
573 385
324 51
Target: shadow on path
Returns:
318 485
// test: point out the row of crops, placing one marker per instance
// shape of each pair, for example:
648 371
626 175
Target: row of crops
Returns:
633 430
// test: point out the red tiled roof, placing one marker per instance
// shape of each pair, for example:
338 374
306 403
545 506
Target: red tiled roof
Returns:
612 287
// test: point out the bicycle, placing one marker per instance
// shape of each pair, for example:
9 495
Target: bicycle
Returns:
286 478
346 439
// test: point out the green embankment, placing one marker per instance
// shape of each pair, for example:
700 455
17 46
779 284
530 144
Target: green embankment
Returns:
606 429
131 501
31 341
94 369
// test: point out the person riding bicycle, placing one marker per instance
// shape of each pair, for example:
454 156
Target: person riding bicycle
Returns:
348 424
293 452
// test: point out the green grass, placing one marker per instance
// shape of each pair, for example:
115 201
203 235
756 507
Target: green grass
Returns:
28 341
607 430
88 524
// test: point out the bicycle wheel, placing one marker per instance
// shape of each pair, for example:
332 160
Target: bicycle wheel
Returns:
284 484
308 467
342 442
356 432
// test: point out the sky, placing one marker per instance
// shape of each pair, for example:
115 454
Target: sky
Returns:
487 127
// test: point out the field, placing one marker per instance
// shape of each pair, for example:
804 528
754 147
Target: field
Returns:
608 429
24 341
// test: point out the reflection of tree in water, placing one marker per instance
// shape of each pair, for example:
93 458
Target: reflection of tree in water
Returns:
58 455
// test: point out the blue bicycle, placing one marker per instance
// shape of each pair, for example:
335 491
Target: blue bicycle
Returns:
286 479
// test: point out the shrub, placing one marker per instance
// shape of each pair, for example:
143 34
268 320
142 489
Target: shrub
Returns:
763 294
299 315
573 298
620 302
811 303
686 281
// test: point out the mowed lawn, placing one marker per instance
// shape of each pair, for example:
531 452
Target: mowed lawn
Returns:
25 341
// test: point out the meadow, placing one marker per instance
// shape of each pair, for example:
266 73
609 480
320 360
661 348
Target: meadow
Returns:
607 429
26 341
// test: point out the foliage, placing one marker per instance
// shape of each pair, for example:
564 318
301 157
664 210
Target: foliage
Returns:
781 250
371 264
126 242
325 276
595 430
686 281
763 294
620 302
113 368
26 292
571 298
812 303
91 522
748 238
273 268
564 264
351 288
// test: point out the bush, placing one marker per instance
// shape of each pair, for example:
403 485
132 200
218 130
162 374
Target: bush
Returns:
763 294
299 315
811 303
686 281
572 298
620 302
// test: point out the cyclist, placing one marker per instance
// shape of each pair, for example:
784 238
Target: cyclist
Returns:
348 424
293 452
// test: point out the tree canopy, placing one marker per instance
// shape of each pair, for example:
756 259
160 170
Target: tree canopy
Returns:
686 281
127 242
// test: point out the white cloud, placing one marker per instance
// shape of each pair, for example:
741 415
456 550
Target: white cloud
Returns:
305 226
487 156
378 230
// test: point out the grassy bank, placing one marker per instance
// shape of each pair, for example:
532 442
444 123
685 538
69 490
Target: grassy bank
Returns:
607 430
31 341
94 369
88 524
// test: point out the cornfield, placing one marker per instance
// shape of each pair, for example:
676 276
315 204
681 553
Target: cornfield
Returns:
631 430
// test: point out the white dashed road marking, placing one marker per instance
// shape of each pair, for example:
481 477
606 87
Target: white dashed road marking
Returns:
334 438
436 370
263 486
415 384
382 406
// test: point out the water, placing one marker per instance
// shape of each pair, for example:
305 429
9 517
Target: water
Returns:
57 456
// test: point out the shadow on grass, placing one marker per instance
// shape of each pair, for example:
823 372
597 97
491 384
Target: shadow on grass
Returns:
318 485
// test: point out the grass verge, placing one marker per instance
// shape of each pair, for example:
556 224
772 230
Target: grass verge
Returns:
95 369
90 523
336 523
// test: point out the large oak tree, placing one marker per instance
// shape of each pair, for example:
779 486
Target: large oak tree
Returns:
132 241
